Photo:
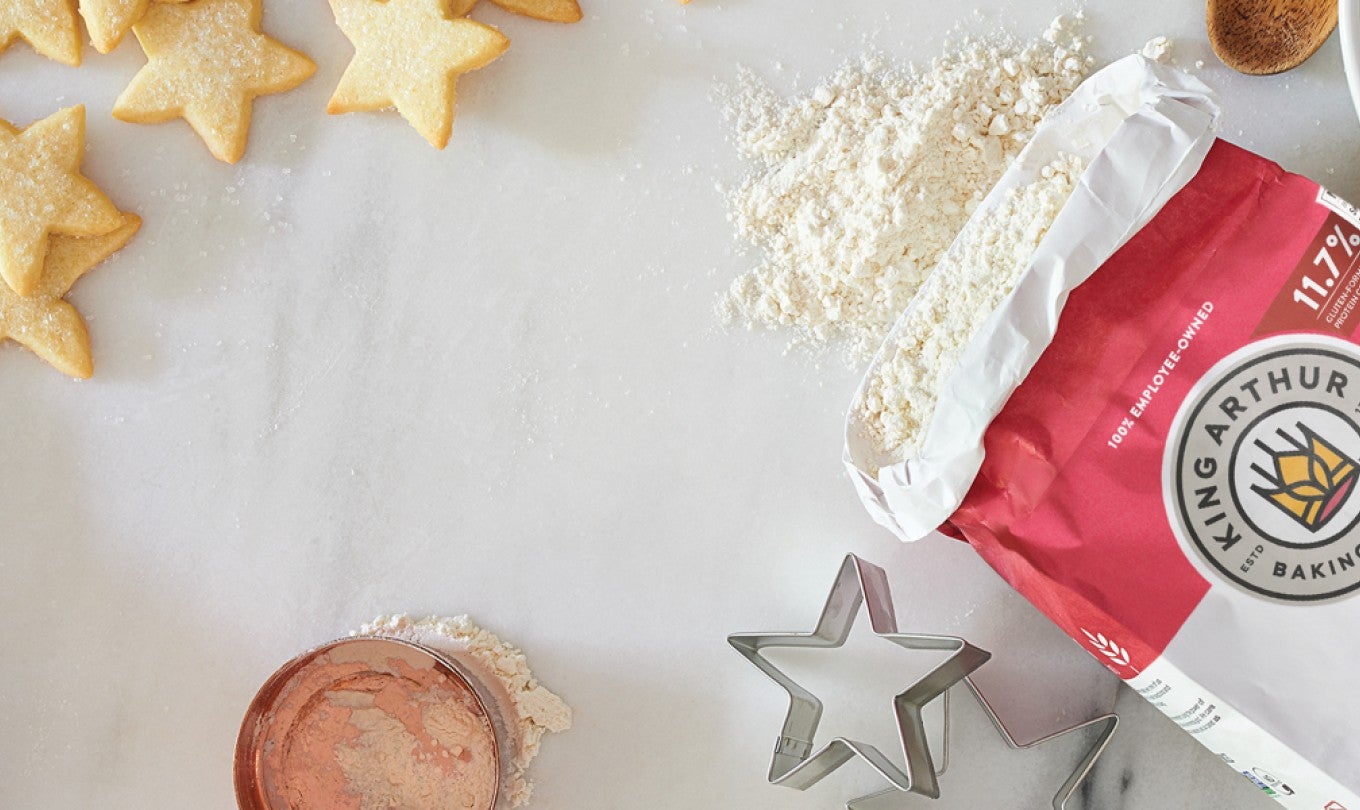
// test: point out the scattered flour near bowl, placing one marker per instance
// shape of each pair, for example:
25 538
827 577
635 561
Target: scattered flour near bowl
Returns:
966 288
859 186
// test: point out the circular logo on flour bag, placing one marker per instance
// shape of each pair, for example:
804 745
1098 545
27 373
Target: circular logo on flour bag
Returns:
1262 467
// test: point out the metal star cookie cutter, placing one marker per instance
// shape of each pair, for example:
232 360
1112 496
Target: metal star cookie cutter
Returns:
1109 721
795 763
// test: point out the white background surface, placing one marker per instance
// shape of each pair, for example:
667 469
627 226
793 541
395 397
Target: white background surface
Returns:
354 375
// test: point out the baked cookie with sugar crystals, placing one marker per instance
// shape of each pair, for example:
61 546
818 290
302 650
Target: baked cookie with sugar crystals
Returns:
48 25
563 11
207 62
408 55
44 322
42 192
108 21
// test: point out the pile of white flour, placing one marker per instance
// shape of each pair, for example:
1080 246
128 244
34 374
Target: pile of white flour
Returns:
859 186
967 287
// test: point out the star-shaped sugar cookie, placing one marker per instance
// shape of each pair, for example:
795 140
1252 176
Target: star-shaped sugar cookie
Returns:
207 63
42 192
43 321
563 11
108 21
48 25
408 55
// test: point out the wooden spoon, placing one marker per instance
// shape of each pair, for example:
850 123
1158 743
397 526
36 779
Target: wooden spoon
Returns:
1268 36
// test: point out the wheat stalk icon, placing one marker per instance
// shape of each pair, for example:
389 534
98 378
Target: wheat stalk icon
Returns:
1108 648
1311 477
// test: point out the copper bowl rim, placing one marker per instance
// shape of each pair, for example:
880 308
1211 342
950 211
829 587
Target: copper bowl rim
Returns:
245 775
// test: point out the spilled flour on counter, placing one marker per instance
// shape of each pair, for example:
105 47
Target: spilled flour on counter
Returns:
1159 49
530 711
859 186
970 283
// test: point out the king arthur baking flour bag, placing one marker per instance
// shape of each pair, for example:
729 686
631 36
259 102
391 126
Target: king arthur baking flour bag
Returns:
1170 444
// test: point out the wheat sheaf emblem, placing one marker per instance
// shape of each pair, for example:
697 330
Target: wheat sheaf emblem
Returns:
1311 477
1108 648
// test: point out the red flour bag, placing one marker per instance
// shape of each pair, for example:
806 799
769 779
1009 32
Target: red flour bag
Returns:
1170 475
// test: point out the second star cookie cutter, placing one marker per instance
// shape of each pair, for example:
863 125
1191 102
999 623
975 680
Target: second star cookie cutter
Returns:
1107 723
795 764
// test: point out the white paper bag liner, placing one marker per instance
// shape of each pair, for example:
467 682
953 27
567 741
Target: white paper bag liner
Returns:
1143 130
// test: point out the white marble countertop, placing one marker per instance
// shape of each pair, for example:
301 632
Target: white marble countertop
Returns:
354 375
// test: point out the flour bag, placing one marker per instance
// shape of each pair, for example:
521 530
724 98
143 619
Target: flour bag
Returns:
1155 437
